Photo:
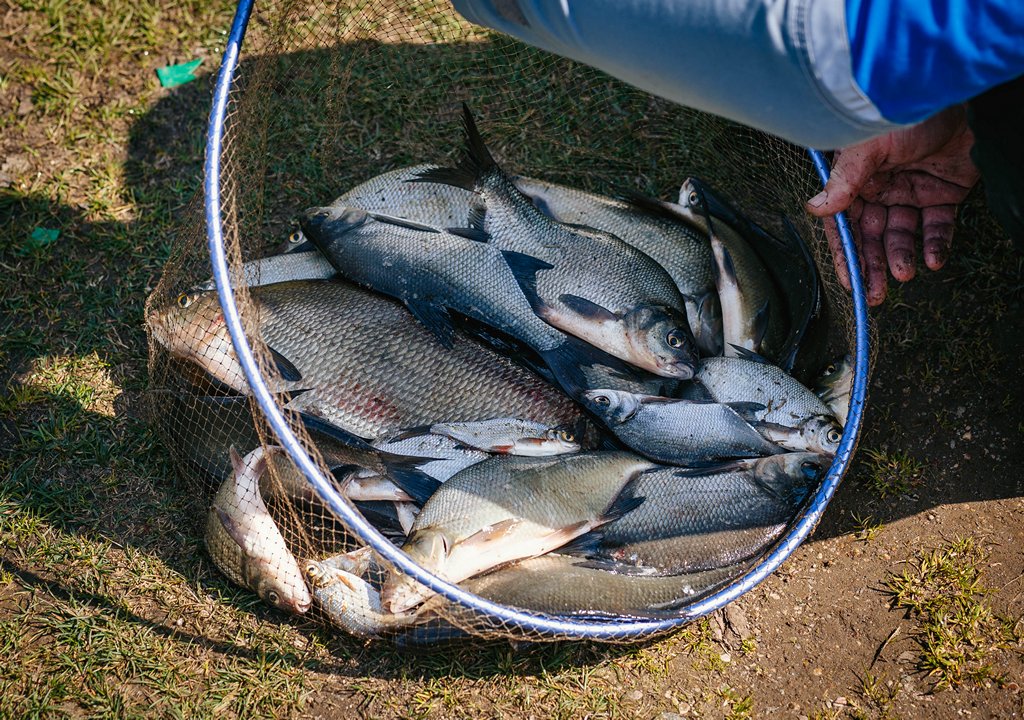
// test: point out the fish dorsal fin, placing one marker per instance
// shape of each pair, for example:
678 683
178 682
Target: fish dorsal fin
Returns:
285 366
316 424
716 469
747 410
588 309
524 269
403 223
743 353
478 154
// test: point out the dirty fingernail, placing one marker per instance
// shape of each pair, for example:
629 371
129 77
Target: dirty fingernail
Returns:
818 200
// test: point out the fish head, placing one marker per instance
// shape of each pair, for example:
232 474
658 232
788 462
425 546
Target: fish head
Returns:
348 593
660 341
193 328
296 242
429 548
282 588
837 377
791 477
691 197
553 441
822 434
614 407
324 225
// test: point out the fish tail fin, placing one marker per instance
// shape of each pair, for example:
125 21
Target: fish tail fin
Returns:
476 161
524 269
623 504
404 471
585 545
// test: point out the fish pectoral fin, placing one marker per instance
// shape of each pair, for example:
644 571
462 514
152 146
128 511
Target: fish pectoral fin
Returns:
651 206
524 269
404 472
588 309
315 424
746 354
760 326
285 367
622 505
747 410
410 432
494 533
404 223
471 233
713 469
435 318
619 568
583 545
232 528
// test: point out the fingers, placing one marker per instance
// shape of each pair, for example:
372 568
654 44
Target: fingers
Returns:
838 256
900 241
872 227
851 168
937 228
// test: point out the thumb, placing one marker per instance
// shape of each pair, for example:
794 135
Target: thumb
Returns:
852 169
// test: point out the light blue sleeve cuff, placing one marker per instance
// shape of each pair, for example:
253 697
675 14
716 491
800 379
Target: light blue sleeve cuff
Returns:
779 66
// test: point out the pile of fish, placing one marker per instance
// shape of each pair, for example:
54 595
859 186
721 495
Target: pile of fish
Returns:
564 402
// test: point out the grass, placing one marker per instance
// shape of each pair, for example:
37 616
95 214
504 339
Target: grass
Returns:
891 472
958 633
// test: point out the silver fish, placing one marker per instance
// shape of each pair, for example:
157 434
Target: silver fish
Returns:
351 603
702 519
244 542
835 385
511 436
433 204
652 229
794 417
362 362
281 268
508 508
585 282
680 432
441 456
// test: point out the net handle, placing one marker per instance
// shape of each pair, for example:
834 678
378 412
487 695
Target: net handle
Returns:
511 618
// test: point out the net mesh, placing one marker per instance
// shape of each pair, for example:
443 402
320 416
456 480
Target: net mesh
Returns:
329 95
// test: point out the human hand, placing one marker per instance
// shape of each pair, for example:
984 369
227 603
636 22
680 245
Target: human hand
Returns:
893 185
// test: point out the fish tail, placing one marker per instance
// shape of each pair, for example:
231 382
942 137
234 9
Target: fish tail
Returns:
404 471
476 161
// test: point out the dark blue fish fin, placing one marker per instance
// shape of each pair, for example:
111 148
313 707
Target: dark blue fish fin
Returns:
404 223
620 506
747 410
712 469
745 354
403 470
716 205
471 233
435 318
659 400
284 366
318 426
761 323
382 515
693 390
651 206
585 545
566 362
525 269
342 471
459 177
728 267
586 308
477 153
541 205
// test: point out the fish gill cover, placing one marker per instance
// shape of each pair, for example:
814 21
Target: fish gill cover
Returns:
327 98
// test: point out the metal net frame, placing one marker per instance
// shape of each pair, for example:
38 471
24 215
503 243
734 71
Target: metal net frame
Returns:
236 222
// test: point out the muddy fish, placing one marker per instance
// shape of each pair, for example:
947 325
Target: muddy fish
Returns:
244 542
509 508
693 520
681 432
361 362
585 282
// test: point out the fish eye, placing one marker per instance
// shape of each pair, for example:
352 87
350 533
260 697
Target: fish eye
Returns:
567 436
185 299
674 340
273 598
830 369
295 238
602 400
833 435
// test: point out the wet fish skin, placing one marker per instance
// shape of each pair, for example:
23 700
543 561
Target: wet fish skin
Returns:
789 405
244 542
679 432
508 508
441 456
511 436
835 385
365 365
390 193
585 282
351 603
705 519
558 584
281 268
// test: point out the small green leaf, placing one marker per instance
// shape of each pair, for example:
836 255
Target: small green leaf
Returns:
175 75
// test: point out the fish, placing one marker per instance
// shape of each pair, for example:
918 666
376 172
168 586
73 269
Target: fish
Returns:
351 603
648 226
296 243
509 508
360 362
835 385
391 193
563 585
244 541
434 271
702 519
280 268
680 432
440 456
511 436
794 417
753 313
202 428
586 282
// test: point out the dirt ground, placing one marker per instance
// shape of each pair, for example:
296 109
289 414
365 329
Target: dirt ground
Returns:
907 602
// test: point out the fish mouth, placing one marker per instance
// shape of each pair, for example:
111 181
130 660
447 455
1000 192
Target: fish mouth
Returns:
681 370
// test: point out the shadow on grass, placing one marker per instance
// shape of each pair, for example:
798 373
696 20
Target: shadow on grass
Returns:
71 311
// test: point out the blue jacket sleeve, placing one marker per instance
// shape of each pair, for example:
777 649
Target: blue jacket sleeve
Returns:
816 72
